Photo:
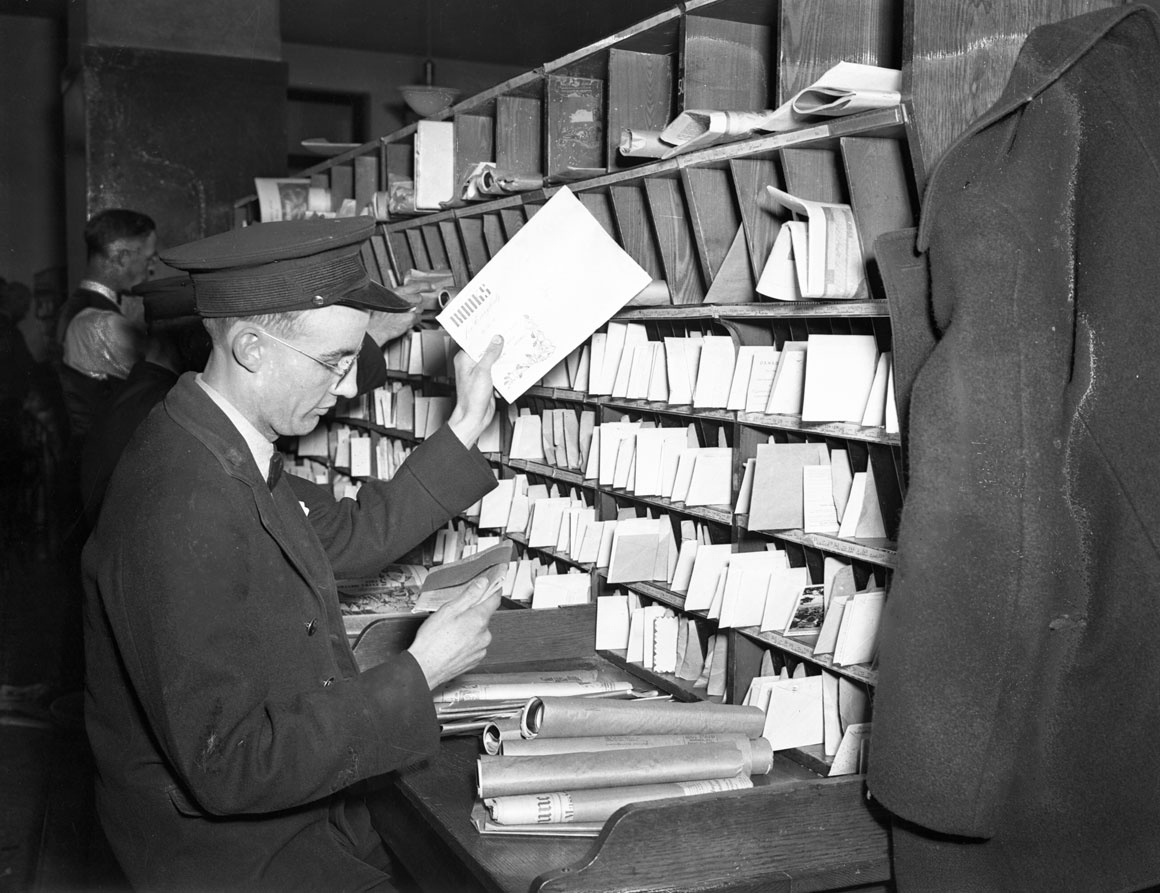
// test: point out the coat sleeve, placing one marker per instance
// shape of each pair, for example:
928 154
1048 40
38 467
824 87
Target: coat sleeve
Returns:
439 479
205 613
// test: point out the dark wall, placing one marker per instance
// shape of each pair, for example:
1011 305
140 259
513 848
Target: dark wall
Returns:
178 136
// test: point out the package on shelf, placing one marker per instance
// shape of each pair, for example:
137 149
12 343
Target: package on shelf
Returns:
353 407
430 354
397 354
459 540
431 413
555 590
361 465
819 258
390 453
714 372
807 710
519 585
839 378
804 486
653 636
612 620
338 445
643 549
851 381
788 386
434 164
393 406
422 287
752 378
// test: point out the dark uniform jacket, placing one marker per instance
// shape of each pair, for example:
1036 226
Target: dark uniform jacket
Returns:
1017 701
146 385
223 704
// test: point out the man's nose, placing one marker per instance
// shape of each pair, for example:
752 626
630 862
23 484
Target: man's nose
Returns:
347 386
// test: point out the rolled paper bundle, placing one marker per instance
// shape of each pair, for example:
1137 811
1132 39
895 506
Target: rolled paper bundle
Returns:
499 732
446 294
380 204
566 717
523 746
654 294
502 776
506 691
485 180
497 182
642 143
598 804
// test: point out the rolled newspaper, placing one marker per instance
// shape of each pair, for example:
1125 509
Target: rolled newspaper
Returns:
500 732
501 776
642 143
597 805
565 717
520 746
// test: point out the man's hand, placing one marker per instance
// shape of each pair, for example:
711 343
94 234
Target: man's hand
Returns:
384 327
476 399
455 638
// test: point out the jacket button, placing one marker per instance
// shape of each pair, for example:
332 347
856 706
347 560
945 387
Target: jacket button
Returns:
327 682
312 626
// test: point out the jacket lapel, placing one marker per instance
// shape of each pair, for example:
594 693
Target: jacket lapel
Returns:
278 510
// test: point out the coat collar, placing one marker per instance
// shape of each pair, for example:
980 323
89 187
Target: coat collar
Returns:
193 409
190 407
1047 54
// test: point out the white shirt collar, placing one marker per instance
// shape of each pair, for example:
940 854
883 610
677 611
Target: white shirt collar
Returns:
260 448
101 289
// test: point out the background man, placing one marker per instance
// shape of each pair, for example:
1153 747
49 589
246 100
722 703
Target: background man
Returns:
102 330
227 716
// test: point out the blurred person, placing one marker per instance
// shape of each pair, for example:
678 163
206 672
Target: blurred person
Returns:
101 341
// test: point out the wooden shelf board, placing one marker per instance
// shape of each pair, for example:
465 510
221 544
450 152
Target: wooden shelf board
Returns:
726 416
398 433
844 430
634 34
563 475
756 310
681 689
717 514
873 551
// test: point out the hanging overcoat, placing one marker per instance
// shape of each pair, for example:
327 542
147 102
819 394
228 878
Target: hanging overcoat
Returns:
1018 702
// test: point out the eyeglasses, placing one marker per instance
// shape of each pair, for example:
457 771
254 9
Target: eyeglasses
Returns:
341 369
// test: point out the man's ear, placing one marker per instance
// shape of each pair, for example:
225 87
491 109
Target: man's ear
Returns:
118 254
247 348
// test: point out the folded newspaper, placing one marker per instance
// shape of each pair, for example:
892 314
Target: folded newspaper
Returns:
845 89
819 258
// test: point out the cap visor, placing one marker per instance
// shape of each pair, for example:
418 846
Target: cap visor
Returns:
373 296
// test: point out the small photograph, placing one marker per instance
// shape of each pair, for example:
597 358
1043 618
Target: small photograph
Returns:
808 612
282 198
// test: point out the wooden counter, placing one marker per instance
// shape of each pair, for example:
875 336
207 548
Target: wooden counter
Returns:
792 832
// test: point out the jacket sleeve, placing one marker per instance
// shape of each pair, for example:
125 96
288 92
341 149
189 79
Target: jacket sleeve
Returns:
439 480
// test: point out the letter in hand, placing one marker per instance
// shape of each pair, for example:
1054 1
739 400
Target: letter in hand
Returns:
475 405
454 639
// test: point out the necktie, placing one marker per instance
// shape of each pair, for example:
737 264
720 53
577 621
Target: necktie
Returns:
275 470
